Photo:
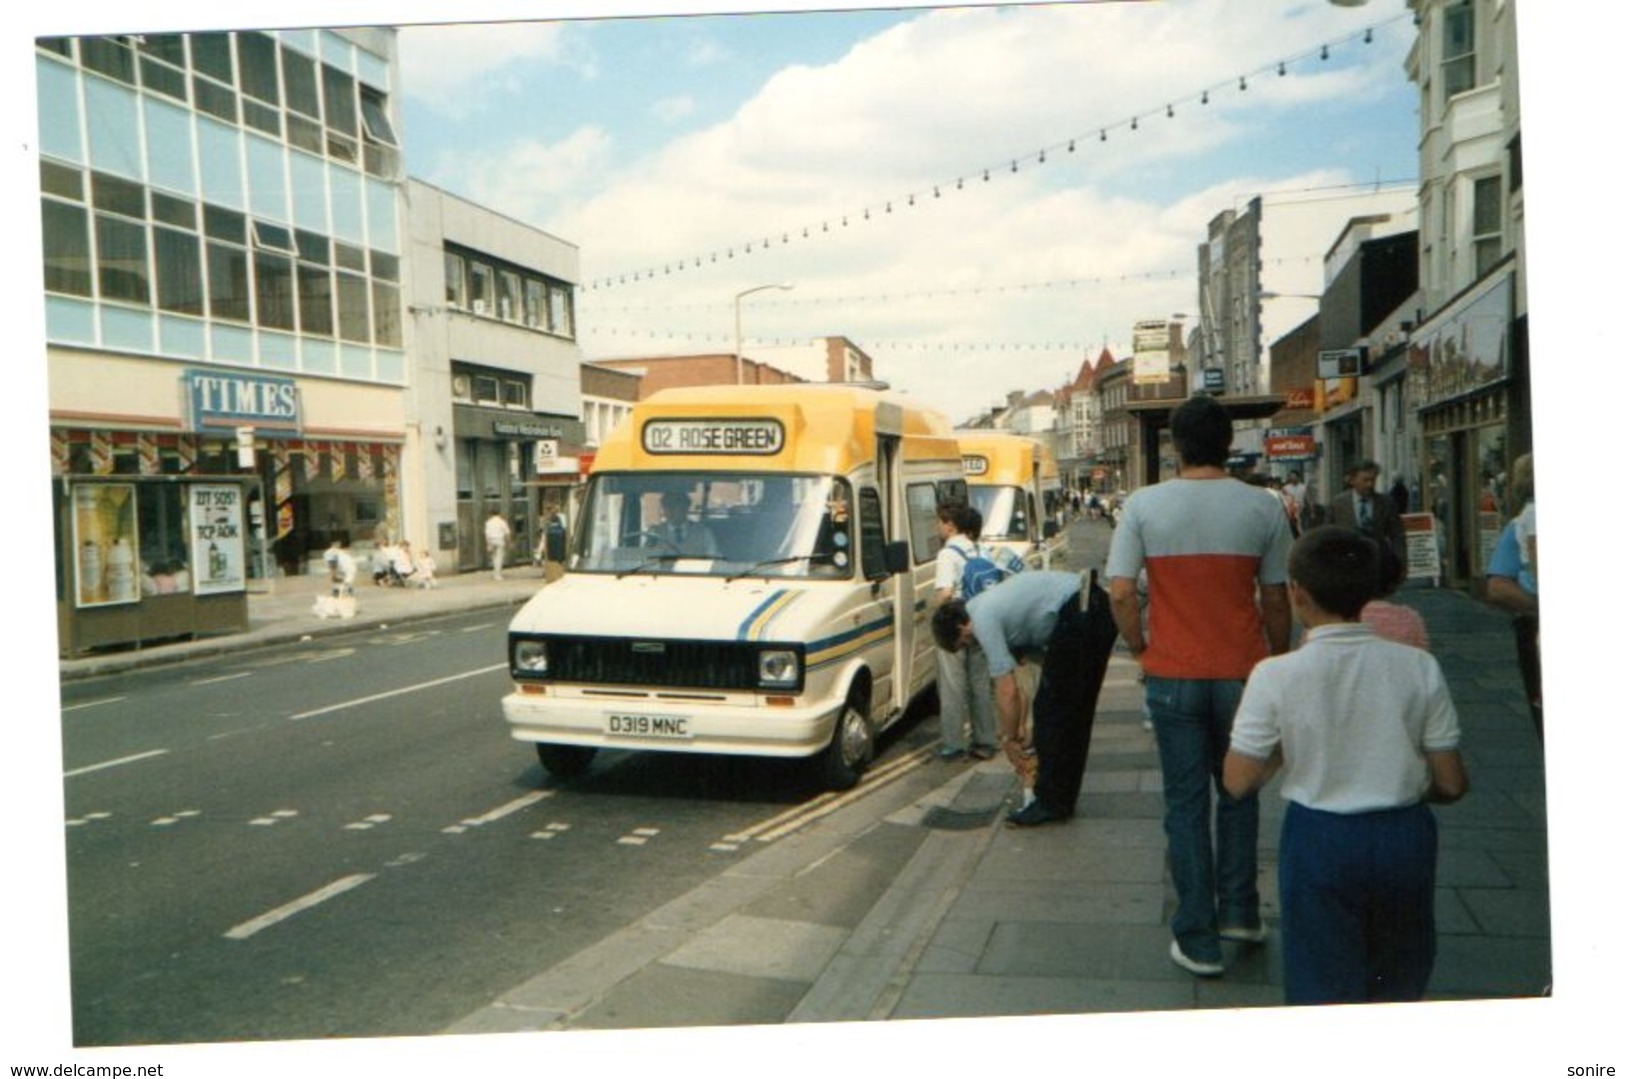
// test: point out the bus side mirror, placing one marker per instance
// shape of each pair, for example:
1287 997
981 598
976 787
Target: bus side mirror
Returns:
1050 529
897 557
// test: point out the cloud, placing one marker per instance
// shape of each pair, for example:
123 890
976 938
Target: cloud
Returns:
448 66
671 109
1026 271
527 175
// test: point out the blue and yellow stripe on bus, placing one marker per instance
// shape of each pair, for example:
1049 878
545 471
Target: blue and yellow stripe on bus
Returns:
756 623
833 649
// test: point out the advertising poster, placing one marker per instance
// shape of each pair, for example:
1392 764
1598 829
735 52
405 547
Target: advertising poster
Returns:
104 545
1151 358
217 539
1421 546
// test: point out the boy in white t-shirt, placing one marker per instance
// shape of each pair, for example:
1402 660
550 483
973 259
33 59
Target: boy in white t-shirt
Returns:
1364 735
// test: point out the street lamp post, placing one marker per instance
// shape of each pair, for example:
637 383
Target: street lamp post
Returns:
739 335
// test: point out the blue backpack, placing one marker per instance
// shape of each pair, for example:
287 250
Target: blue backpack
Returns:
982 571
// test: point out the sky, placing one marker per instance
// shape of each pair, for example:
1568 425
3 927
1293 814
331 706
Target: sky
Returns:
648 141
845 152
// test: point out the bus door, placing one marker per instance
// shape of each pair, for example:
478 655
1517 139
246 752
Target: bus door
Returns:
899 589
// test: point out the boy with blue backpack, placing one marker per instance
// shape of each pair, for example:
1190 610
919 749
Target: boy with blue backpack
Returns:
963 689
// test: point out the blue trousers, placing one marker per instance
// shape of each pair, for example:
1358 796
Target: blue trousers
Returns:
1357 904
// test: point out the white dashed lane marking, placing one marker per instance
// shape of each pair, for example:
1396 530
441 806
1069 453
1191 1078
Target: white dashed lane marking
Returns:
498 813
369 821
244 930
276 816
131 759
639 837
175 818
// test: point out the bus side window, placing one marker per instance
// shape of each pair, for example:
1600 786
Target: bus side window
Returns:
871 534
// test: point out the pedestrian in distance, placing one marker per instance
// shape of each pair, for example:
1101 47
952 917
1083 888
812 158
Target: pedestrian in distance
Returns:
1364 735
964 690
1066 619
496 541
1214 553
1512 583
1362 507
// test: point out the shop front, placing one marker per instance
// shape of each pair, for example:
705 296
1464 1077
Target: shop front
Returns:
508 464
314 460
145 558
1466 375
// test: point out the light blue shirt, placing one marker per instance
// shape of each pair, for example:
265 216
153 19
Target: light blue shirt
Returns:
1017 615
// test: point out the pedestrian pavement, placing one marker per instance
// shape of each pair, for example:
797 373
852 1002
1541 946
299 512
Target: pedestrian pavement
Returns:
916 901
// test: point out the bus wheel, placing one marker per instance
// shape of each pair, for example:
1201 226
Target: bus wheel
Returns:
850 747
565 761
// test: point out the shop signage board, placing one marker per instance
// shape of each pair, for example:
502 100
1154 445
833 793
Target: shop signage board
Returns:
1421 546
1289 444
218 553
225 401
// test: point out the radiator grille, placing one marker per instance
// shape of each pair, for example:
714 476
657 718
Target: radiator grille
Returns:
618 661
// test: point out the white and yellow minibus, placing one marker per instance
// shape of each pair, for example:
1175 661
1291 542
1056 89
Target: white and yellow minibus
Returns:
749 574
1011 478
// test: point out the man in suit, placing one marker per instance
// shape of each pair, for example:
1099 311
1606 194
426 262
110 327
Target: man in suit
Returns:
1361 507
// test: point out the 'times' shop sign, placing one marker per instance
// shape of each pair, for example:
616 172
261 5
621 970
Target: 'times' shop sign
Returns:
228 400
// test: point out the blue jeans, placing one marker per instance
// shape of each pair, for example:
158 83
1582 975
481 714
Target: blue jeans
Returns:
1217 882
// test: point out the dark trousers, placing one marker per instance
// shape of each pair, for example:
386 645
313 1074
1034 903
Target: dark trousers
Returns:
1064 706
1357 904
1526 633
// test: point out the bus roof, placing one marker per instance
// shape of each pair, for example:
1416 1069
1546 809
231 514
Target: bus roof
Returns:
1007 458
818 428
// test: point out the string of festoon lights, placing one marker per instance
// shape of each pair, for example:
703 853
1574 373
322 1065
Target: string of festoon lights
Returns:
612 333
1170 110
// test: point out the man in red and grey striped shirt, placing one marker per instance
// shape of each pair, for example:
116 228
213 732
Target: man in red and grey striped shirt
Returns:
1214 551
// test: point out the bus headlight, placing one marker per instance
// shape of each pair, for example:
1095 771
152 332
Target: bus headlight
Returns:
530 657
779 668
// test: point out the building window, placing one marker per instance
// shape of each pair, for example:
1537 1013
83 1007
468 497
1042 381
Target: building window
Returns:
509 302
487 390
560 317
67 248
1460 66
110 56
1486 224
515 394
456 286
535 304
354 322
121 239
480 290
163 64
386 311
299 84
